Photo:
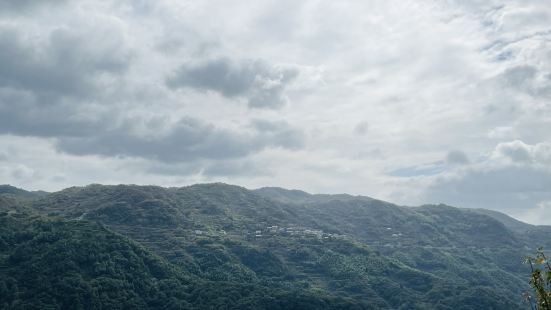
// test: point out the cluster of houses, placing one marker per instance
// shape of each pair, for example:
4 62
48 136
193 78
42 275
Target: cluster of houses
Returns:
396 234
199 232
292 231
274 230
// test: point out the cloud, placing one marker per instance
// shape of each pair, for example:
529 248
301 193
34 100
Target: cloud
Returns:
501 132
8 6
76 86
527 79
56 84
17 173
209 169
518 151
64 64
187 140
238 168
281 133
361 128
457 157
514 178
22 172
138 92
262 85
420 170
168 169
233 168
538 215
22 113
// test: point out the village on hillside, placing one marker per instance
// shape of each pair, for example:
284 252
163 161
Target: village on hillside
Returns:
272 231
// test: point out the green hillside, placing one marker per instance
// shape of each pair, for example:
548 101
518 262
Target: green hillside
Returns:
56 264
12 190
334 250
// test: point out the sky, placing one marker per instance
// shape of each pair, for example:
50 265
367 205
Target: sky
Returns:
413 102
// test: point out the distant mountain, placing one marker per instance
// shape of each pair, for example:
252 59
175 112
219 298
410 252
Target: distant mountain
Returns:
509 222
21 193
344 250
300 197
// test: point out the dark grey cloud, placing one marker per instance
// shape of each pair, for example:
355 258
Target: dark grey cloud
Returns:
65 64
55 87
456 157
49 85
187 140
261 84
21 113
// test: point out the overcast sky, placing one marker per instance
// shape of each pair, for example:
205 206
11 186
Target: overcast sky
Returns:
407 101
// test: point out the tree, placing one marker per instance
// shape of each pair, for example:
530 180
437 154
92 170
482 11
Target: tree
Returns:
540 280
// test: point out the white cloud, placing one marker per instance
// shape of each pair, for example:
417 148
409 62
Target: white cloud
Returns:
501 132
538 215
22 173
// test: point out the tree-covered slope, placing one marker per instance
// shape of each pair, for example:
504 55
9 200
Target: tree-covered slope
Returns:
57 264
339 246
78 265
18 192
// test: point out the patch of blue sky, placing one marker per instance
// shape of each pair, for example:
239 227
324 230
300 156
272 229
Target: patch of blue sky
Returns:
419 170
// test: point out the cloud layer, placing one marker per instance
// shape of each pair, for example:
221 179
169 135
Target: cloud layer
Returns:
409 101
514 178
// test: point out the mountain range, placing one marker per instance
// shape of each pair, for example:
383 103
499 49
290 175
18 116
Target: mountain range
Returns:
219 246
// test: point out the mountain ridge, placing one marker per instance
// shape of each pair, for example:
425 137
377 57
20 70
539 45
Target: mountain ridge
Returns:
279 194
352 247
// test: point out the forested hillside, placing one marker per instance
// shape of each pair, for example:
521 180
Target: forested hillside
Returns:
56 264
163 247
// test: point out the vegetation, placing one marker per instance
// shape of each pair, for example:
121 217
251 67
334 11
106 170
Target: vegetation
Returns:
219 246
55 264
540 281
